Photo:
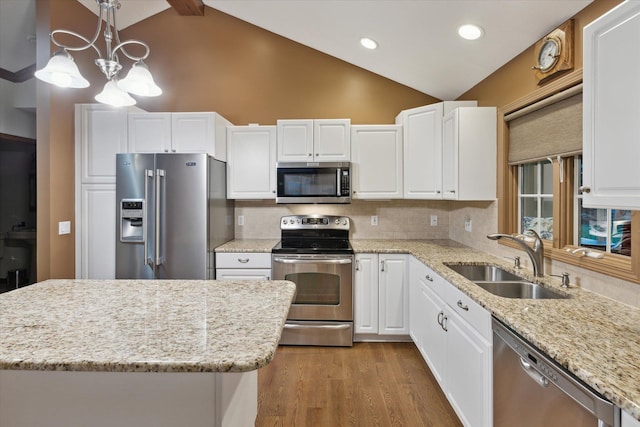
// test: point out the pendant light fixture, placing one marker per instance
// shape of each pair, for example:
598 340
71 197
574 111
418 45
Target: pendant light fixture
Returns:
62 71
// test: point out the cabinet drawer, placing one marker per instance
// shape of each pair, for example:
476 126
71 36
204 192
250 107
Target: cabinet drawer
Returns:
243 260
243 274
470 311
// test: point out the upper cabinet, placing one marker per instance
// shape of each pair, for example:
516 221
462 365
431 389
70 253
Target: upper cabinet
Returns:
422 142
320 140
611 129
469 154
178 133
376 161
251 169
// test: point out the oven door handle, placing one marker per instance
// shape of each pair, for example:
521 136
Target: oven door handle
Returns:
312 261
334 327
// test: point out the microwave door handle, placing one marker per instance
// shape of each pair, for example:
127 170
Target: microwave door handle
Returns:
338 186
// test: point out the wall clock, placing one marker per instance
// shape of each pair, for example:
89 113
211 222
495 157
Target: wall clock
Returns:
554 52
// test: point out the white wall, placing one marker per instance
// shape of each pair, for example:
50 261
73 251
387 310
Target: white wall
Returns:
17 121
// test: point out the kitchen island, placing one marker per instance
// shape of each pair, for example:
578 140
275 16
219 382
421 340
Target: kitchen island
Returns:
137 352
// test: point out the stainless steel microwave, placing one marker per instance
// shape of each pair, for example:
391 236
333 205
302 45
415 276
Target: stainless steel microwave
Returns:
313 182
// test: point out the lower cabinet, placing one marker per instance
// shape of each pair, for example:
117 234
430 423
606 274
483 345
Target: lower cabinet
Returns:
243 266
453 333
381 295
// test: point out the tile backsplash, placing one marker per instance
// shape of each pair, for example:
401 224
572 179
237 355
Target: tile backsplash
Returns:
411 219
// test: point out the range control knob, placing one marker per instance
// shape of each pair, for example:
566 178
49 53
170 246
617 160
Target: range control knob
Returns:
337 221
291 221
284 222
344 221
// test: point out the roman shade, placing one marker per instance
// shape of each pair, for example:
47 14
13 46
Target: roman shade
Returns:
549 128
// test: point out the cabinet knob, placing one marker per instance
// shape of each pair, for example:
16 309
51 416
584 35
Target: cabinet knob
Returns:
173 150
166 150
309 154
585 189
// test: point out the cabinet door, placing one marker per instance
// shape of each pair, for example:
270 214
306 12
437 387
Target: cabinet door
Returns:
193 132
96 235
434 338
450 156
149 132
393 310
628 421
469 372
422 152
295 140
469 154
243 274
251 169
101 132
365 310
332 140
376 161
611 128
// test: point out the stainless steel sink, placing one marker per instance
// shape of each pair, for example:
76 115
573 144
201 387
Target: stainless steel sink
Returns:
484 273
520 290
503 283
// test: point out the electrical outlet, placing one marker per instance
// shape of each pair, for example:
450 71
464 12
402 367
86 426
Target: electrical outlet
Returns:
64 227
434 220
240 219
467 225
374 219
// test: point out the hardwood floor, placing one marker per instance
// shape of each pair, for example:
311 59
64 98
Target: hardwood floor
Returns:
371 384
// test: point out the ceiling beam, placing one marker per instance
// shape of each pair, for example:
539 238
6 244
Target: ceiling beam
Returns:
188 7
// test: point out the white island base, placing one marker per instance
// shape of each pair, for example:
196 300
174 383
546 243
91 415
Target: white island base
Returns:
141 399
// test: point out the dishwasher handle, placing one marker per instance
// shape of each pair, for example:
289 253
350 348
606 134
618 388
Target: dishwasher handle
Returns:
535 375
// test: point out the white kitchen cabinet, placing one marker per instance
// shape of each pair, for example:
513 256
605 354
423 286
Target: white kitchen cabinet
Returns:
422 142
319 140
425 311
366 294
376 161
100 133
469 154
243 266
611 128
469 371
150 133
381 295
454 335
628 421
178 133
251 165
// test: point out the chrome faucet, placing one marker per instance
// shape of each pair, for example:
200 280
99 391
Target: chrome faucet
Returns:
535 252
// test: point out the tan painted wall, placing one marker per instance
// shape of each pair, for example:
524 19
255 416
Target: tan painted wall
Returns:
516 78
211 63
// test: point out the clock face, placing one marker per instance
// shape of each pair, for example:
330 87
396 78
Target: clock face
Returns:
549 53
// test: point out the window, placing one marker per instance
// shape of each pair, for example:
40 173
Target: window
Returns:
540 163
607 230
535 205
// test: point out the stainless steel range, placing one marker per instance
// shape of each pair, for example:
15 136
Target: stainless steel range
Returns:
315 253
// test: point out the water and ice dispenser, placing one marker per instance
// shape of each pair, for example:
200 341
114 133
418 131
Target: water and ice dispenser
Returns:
132 220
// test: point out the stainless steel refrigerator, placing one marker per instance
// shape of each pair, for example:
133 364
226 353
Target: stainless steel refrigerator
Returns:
172 212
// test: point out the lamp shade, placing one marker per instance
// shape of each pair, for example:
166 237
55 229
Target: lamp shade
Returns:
113 95
62 71
139 81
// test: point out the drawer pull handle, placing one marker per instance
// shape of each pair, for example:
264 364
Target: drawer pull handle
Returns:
243 260
465 307
429 278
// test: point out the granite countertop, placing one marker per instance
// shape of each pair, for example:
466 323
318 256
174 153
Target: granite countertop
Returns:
595 338
248 245
143 325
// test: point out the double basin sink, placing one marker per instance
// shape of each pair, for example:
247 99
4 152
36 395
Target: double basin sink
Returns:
503 283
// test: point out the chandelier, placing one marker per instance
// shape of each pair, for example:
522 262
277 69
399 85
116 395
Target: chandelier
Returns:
62 71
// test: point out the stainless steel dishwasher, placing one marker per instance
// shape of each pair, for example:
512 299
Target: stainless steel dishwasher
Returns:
529 389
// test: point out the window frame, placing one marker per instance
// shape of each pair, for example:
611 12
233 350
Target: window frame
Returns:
614 265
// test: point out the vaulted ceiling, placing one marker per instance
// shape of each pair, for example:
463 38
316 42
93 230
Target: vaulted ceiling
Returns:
419 46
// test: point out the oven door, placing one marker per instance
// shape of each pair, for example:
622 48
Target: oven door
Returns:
324 285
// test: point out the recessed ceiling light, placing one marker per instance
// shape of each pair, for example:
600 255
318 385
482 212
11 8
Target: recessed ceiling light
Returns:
470 32
369 43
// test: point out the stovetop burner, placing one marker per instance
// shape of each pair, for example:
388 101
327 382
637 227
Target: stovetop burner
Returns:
314 234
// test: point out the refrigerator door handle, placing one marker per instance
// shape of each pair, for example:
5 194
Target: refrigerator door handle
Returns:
148 174
160 173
